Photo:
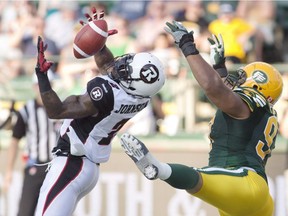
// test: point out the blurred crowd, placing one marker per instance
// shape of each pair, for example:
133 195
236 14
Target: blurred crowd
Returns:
252 30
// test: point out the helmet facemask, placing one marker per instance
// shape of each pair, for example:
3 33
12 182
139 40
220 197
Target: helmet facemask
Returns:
235 78
120 68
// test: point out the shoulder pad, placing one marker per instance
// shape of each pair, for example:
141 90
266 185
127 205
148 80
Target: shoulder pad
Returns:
101 94
252 97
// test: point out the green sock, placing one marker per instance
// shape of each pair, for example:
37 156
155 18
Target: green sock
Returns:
182 177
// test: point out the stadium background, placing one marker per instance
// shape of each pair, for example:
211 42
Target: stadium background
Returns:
122 190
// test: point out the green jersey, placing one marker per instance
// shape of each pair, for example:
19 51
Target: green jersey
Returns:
244 143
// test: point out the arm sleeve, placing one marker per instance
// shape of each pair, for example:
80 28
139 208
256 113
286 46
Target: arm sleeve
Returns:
101 94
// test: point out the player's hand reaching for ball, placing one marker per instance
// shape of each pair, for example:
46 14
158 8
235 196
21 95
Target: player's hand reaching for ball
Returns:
217 57
183 39
42 65
97 16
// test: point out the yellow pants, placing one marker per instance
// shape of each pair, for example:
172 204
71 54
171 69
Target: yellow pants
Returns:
235 195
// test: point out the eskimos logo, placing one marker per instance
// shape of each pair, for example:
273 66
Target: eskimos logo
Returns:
149 73
259 76
96 93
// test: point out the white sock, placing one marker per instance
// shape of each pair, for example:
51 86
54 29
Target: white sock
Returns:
164 170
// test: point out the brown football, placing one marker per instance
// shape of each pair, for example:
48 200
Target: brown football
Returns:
90 39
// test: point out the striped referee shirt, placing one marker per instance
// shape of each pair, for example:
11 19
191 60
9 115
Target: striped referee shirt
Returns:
41 132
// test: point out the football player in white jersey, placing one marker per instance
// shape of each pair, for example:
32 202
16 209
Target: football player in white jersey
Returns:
91 121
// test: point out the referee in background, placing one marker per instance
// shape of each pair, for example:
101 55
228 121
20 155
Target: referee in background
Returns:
41 135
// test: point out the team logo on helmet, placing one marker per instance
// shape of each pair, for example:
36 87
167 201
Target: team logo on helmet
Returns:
96 93
149 73
259 76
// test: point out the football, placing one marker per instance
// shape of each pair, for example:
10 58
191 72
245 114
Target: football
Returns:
90 39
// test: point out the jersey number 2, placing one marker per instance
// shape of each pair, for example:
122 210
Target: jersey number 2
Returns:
115 129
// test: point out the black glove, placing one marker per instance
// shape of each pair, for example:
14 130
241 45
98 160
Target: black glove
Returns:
183 39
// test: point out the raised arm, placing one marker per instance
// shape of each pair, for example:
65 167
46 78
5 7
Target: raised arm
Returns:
210 81
103 58
73 106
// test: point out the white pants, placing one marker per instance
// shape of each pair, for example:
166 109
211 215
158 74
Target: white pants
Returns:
68 180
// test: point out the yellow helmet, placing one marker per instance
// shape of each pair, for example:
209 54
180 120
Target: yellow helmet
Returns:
265 78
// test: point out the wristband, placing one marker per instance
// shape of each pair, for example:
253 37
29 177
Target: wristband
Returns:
43 81
221 68
222 72
187 45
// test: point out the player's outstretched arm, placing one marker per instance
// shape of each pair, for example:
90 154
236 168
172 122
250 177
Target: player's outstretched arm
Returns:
209 80
73 106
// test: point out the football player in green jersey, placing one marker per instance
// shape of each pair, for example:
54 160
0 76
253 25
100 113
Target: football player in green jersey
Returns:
243 133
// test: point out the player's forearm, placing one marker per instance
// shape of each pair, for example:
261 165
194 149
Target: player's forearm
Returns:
52 103
55 108
103 58
206 76
50 99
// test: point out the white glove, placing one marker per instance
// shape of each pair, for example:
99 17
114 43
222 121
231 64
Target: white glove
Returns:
183 39
217 57
176 29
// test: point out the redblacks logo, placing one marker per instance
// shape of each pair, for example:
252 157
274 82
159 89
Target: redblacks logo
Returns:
149 73
96 93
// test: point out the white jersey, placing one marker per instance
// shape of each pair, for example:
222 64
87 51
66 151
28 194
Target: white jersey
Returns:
91 136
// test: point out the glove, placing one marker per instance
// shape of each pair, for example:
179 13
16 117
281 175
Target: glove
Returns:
183 39
42 65
217 57
97 17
